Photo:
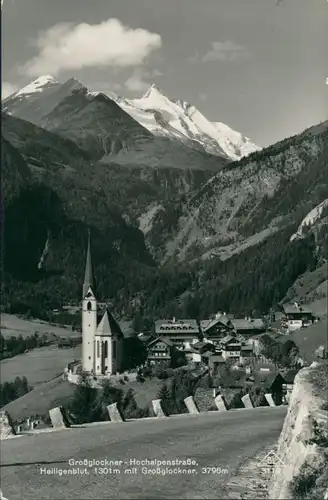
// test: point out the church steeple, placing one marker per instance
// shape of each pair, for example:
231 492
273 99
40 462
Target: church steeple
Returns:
88 274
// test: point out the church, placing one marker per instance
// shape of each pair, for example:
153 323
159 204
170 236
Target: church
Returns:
103 342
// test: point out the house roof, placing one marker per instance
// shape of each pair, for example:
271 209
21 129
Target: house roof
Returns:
290 376
204 323
108 326
206 354
207 324
199 345
265 379
166 341
296 309
146 338
176 326
240 379
227 339
129 333
127 330
198 373
203 345
245 324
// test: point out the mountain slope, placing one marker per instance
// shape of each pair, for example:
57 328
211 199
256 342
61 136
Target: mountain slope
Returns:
39 97
45 236
181 120
99 126
131 191
248 200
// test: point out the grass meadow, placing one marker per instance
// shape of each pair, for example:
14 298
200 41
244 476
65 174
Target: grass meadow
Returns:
38 365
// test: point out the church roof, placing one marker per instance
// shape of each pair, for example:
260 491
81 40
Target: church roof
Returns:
108 326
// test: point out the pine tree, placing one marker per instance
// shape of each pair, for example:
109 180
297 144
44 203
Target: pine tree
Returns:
84 401
165 395
129 404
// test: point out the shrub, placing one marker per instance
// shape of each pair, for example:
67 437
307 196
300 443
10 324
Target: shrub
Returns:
304 483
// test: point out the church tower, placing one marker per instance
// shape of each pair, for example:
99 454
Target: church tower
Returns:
89 315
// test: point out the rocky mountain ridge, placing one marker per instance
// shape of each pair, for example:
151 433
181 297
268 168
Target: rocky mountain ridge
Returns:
183 121
164 118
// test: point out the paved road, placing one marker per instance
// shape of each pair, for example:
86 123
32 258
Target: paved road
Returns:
219 440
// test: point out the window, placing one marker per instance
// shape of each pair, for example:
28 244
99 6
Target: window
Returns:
106 349
89 357
98 350
89 306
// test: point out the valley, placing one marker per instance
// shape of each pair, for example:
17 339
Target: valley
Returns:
157 206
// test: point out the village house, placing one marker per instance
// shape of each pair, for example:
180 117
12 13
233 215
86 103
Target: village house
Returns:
246 354
197 349
295 317
271 382
159 350
231 348
214 360
213 330
181 332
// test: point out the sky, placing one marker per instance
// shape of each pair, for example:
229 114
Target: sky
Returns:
260 66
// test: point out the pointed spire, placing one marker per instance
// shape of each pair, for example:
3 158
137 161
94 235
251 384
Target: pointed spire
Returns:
88 275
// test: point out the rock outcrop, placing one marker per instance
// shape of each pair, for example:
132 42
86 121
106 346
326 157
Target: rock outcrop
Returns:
302 446
6 426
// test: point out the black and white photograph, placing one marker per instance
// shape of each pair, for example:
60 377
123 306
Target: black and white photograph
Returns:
164 250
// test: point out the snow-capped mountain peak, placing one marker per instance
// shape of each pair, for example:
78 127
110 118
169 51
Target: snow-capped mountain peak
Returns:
38 85
175 119
182 120
152 91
